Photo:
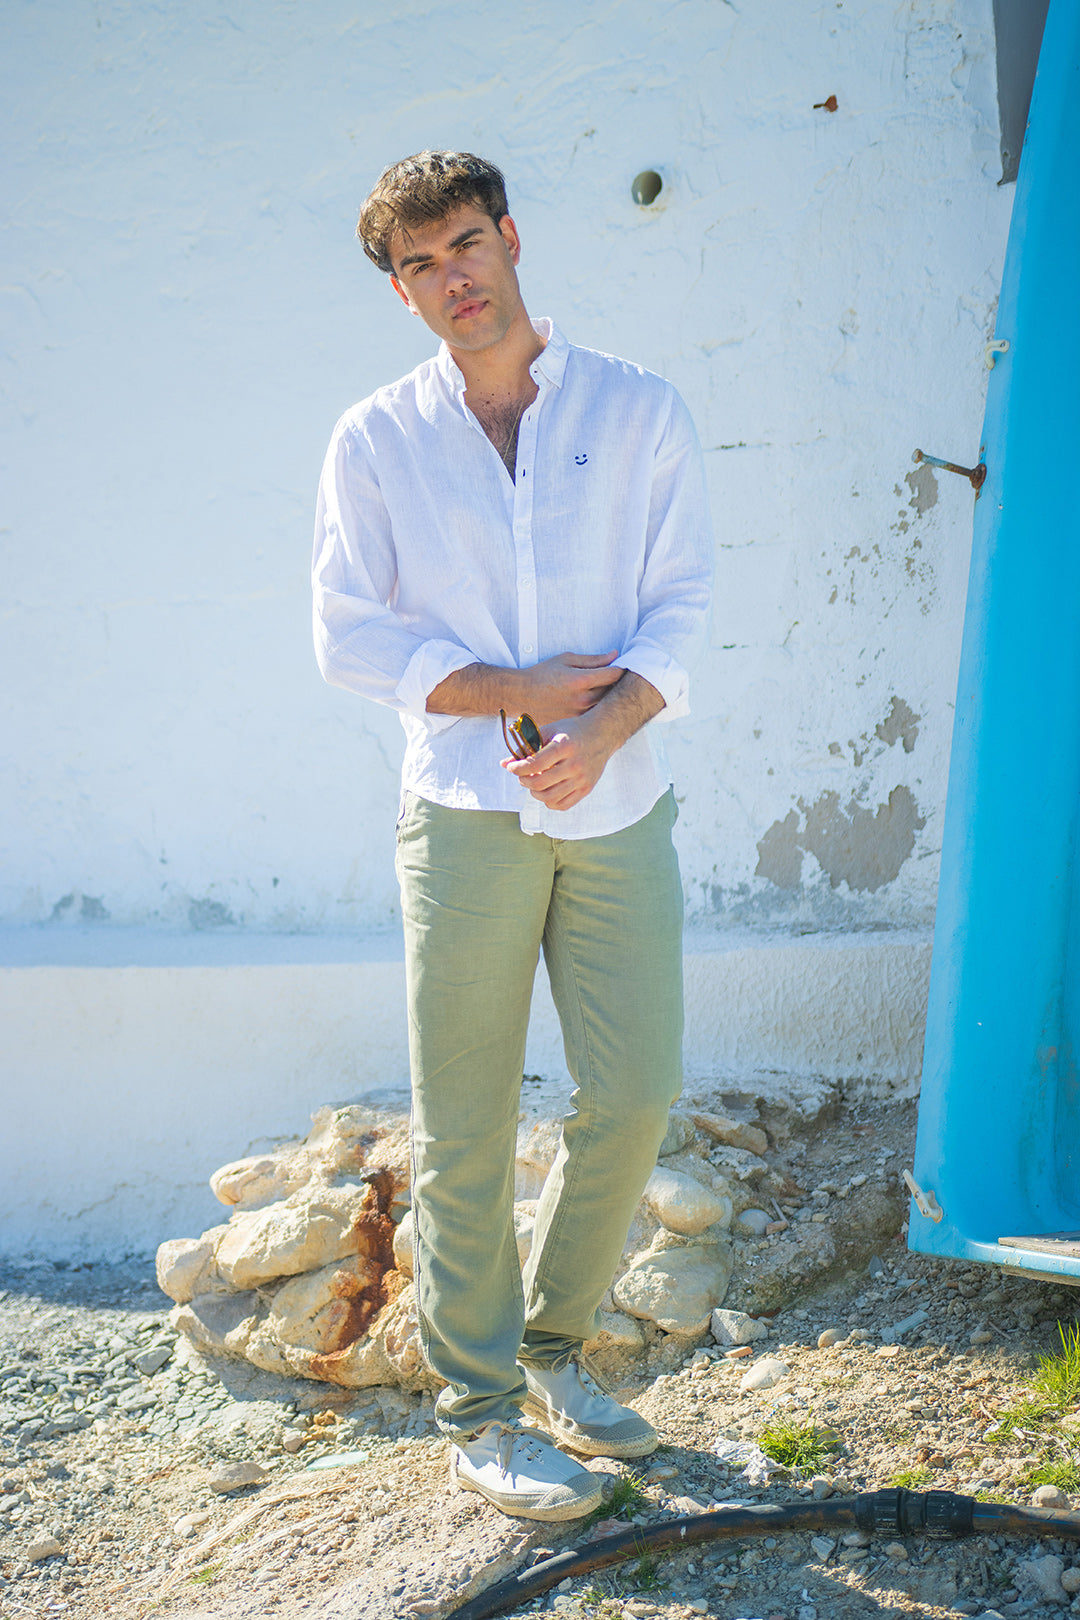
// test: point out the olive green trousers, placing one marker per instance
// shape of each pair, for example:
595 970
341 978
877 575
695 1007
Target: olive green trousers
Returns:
480 900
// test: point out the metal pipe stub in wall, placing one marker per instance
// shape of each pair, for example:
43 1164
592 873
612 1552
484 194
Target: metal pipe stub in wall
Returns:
976 475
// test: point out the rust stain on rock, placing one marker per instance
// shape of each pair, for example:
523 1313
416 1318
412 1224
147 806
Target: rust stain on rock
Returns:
360 1301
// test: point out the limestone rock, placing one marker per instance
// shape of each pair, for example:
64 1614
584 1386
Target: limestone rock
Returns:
388 1353
735 1327
753 1222
679 1133
676 1288
524 1226
298 1234
538 1143
765 1374
250 1183
683 1204
326 1310
235 1476
1042 1578
42 1547
1048 1496
219 1323
405 1245
732 1133
185 1266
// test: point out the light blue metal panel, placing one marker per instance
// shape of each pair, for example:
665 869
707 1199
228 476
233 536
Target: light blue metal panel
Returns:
999 1115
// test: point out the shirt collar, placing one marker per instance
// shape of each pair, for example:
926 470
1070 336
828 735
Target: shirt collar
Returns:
551 362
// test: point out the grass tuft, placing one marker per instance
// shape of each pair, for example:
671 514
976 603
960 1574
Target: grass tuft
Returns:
626 1498
1064 1472
210 1572
647 1574
796 1445
1058 1376
912 1479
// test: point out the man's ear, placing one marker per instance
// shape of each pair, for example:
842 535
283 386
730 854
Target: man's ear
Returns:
509 233
403 295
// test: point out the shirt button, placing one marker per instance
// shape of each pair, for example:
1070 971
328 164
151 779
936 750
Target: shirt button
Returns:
528 647
527 584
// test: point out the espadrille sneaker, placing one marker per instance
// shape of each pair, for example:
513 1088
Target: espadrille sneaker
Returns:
577 1410
523 1473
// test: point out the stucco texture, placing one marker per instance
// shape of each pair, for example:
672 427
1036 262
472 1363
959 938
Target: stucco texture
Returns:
187 313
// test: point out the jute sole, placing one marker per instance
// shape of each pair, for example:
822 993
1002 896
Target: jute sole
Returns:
585 1445
517 1508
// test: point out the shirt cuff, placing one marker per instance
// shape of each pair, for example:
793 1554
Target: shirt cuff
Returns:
427 667
669 678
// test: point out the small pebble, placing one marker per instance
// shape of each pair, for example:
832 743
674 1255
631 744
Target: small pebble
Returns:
235 1476
1048 1496
764 1374
43 1547
830 1337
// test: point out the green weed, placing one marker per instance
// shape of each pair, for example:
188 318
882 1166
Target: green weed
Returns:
627 1497
1064 1472
912 1479
1058 1376
647 1574
796 1445
1033 1412
208 1573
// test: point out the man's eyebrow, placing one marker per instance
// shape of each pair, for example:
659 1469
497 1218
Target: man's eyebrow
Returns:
462 237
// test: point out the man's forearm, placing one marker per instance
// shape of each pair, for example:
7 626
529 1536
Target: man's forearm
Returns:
478 689
558 688
621 711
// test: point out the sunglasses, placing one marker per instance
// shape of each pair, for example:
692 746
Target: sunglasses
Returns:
522 735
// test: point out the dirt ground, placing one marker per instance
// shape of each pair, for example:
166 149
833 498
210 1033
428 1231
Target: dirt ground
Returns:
354 1517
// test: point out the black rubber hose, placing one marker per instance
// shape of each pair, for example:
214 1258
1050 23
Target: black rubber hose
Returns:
895 1512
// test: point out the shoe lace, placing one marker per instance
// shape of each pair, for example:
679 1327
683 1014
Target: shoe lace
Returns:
590 1378
513 1437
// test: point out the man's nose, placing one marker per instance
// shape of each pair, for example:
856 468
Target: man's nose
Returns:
457 280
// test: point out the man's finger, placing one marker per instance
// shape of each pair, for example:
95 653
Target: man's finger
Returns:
589 660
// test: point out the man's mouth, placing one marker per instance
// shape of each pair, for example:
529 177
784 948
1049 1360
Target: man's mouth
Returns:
471 306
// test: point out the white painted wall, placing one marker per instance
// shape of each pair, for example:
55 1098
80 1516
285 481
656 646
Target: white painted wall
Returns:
186 313
142 1063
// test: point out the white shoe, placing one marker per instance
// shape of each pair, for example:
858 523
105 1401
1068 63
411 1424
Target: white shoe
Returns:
579 1412
524 1473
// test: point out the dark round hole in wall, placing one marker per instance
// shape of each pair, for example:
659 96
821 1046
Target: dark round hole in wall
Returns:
646 188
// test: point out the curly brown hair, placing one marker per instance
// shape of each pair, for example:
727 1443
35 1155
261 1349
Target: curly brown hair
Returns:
425 188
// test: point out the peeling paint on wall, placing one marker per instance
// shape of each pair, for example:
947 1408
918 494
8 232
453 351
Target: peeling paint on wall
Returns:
901 724
923 486
860 847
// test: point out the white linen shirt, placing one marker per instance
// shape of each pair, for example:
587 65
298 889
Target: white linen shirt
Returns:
428 558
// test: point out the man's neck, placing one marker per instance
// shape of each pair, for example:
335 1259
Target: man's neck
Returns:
501 372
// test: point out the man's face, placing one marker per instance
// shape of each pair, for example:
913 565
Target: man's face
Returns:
458 275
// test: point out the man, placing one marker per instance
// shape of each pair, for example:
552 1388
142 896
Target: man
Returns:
519 525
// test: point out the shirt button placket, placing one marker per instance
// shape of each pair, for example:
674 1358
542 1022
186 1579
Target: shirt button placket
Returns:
525 562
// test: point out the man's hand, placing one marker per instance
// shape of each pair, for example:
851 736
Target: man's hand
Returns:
569 685
557 689
575 751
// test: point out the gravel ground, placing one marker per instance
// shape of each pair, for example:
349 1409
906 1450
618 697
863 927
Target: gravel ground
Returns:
112 1434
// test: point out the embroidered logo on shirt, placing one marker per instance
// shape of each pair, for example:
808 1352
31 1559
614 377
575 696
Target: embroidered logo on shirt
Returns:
580 460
